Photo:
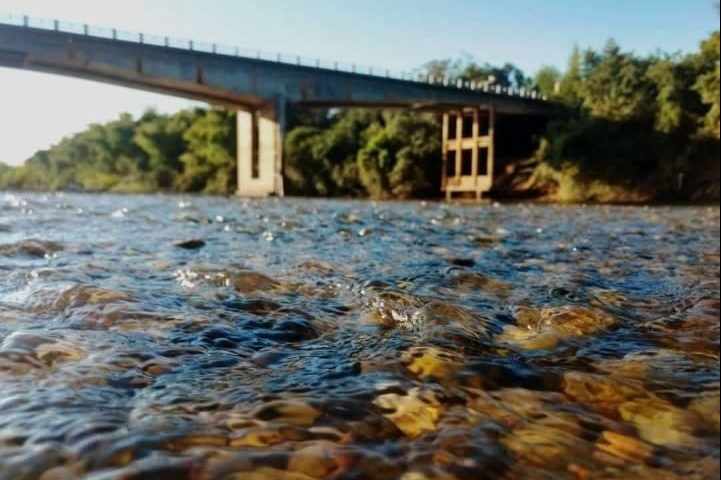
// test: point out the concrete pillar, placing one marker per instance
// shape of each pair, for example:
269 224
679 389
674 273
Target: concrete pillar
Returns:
260 151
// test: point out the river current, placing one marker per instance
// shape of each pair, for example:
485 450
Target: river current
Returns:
163 337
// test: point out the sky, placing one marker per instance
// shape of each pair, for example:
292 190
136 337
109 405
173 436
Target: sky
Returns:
37 110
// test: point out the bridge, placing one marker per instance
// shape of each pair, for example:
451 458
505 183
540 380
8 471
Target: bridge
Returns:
260 86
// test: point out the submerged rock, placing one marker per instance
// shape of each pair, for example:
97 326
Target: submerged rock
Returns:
622 447
660 422
321 460
601 393
708 407
431 362
553 441
414 413
47 349
547 328
468 282
248 281
289 412
393 308
31 248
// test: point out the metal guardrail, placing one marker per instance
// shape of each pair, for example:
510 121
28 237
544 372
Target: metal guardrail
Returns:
218 49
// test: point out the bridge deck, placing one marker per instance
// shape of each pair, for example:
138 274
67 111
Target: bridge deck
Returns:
232 77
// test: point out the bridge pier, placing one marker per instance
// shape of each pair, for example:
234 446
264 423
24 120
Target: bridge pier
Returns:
468 152
260 150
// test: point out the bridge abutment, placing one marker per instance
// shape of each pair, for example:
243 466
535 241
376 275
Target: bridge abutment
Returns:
260 150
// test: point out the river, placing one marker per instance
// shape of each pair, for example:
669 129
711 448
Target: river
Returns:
168 337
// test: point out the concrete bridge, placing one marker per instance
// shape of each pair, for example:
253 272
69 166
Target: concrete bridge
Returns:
260 86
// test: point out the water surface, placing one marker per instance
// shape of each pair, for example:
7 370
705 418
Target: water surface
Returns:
146 337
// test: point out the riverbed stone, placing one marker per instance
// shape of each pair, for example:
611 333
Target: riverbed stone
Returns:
541 329
248 281
414 413
292 412
707 406
623 447
431 362
321 460
661 423
600 392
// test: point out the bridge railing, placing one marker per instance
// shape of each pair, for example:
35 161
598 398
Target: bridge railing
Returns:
219 49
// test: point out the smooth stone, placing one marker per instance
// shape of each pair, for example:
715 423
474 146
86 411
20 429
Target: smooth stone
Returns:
708 407
431 362
552 441
257 438
290 412
601 392
31 248
415 413
624 447
267 473
319 461
660 422
546 328
248 281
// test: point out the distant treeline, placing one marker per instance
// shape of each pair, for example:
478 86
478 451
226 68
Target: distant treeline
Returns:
639 128
642 128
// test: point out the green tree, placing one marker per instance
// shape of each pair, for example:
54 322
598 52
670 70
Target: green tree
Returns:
572 80
707 85
546 80
616 86
209 161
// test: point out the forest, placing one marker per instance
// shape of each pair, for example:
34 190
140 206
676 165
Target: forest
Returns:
638 129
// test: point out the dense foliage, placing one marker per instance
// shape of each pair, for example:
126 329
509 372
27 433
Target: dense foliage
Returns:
641 127
189 151
638 128
381 155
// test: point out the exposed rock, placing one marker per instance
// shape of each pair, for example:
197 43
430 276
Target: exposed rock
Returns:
193 244
248 281
31 248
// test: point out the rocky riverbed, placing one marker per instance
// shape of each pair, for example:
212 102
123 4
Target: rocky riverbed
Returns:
160 337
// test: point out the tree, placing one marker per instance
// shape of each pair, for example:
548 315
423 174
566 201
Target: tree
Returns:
572 81
707 85
209 161
546 80
616 86
400 158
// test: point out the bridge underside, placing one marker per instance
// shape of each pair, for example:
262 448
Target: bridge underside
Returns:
260 91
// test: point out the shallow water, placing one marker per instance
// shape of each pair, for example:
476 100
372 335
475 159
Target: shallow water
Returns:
309 339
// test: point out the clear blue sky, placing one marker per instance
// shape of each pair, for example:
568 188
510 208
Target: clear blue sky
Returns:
398 34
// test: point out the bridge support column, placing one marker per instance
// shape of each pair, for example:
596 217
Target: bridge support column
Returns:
468 152
260 151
